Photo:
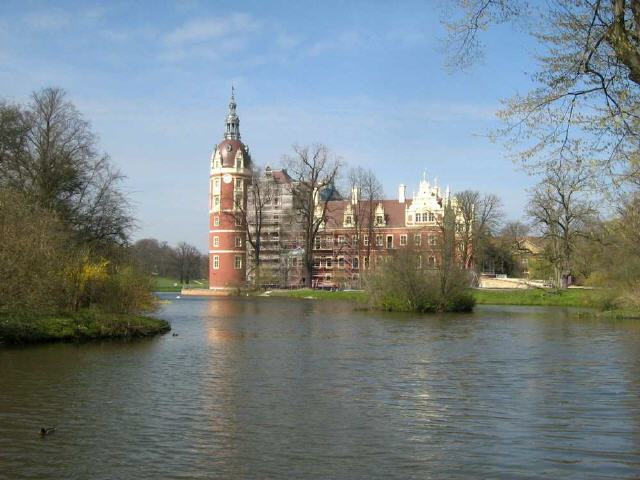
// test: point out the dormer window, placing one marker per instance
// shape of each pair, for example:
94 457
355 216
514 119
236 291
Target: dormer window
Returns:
379 219
349 220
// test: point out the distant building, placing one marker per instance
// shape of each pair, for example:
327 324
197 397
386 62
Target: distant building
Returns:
345 247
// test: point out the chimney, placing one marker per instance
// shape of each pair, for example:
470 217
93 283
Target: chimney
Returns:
354 195
402 189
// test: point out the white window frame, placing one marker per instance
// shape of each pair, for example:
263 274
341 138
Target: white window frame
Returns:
216 241
238 241
216 262
403 240
237 262
216 221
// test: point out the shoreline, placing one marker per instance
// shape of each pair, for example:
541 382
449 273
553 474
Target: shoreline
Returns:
83 326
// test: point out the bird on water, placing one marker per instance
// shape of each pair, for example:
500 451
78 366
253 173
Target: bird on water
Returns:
47 430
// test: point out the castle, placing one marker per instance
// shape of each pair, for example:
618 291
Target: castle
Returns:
345 246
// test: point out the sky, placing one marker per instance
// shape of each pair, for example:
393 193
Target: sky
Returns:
367 79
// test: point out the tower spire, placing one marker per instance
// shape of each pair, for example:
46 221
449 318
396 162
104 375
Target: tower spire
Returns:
232 122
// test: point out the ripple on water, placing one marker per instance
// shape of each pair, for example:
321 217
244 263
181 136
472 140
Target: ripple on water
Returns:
270 388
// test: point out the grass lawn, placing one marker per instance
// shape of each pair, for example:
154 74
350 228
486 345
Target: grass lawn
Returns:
166 284
563 298
81 326
573 297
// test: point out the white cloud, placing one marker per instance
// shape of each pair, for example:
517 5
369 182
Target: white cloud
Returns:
346 41
202 30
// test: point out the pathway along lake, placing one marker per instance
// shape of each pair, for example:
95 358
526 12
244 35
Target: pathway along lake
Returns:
262 388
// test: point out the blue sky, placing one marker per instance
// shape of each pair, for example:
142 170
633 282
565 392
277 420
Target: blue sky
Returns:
365 78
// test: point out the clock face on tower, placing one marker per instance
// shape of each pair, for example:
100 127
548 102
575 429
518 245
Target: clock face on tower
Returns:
226 178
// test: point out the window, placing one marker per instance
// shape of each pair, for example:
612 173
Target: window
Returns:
378 240
216 241
216 221
340 239
294 262
238 221
403 239
354 240
366 262
379 219
216 201
276 218
238 241
419 263
238 162
329 262
340 262
389 241
365 240
238 262
432 240
354 263
432 217
432 262
316 243
418 217
417 239
276 201
216 262
238 184
216 185
348 220
237 199
316 263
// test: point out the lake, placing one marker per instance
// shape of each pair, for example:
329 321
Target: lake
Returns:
256 388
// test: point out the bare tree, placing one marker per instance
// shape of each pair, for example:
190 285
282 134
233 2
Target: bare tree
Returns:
261 192
314 170
48 151
368 191
587 88
478 218
188 262
560 208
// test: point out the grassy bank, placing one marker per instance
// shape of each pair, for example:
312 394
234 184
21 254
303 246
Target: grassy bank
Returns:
81 326
166 284
572 297
563 298
309 293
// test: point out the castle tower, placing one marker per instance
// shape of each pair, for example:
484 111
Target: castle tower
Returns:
230 175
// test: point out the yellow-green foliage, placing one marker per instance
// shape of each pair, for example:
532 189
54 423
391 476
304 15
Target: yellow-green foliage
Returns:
32 255
399 284
125 290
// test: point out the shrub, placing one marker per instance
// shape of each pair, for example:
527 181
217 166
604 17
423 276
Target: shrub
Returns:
125 290
399 284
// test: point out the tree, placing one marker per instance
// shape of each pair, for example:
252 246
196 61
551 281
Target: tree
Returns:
154 257
251 214
478 218
314 170
48 151
587 87
561 209
368 191
187 261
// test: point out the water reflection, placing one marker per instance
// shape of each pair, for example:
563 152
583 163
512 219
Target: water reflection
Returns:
269 388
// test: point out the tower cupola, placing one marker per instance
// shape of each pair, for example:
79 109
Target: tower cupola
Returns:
232 122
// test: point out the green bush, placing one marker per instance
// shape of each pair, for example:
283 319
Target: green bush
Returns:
125 290
399 284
